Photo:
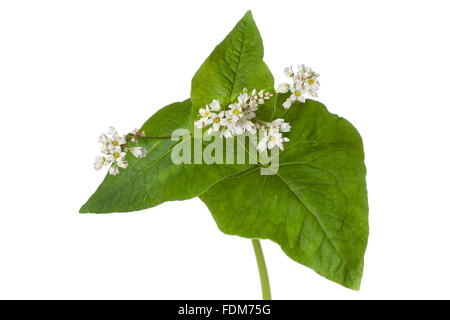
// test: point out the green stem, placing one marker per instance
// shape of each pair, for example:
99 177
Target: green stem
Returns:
264 277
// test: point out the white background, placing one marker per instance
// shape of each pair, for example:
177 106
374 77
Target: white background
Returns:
69 69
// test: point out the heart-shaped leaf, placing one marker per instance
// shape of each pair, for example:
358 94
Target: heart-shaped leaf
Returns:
234 64
314 206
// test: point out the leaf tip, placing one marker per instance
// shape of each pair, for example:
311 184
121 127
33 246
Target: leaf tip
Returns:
83 209
248 15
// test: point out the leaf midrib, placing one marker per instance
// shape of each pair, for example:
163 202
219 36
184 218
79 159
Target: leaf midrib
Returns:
310 209
313 212
239 62
151 164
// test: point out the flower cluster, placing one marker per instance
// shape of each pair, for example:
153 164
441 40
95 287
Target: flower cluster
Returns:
272 134
240 118
114 147
305 81
237 119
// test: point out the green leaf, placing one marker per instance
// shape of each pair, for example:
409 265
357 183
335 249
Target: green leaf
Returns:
236 63
315 207
155 179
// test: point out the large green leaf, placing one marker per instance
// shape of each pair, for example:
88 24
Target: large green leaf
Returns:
315 206
236 63
155 179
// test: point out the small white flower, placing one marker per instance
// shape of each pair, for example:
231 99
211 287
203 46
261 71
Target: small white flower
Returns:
217 120
235 111
253 105
305 81
112 130
275 139
103 139
206 116
113 170
199 123
285 127
136 134
226 132
243 98
281 126
215 105
122 163
272 135
303 70
138 152
115 149
118 140
283 88
205 112
287 104
99 162
288 72
312 86
247 125
298 94
262 145
237 119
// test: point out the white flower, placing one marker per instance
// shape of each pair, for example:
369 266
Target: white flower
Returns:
226 132
273 134
215 105
118 140
283 88
99 162
206 116
113 170
298 94
305 81
271 139
287 104
205 112
199 123
248 114
262 145
112 130
281 126
288 72
312 86
115 149
103 139
303 70
229 127
253 105
217 120
243 98
235 111
138 152
285 127
237 119
136 134
247 125
122 163
116 155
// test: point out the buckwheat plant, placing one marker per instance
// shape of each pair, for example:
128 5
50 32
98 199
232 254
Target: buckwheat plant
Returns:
312 202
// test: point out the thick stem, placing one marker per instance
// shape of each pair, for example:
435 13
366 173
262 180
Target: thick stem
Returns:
262 269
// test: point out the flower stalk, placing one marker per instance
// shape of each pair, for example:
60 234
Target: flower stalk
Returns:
263 275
